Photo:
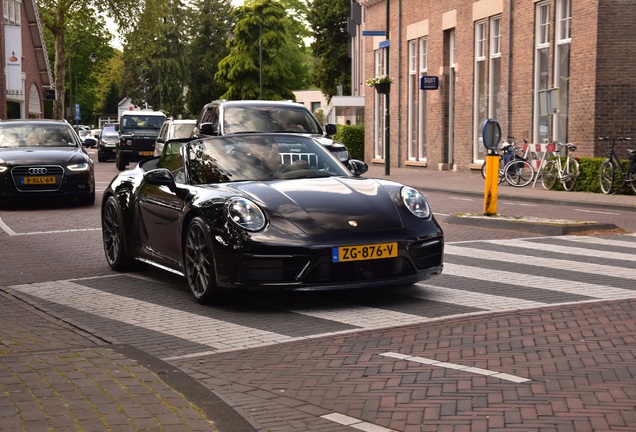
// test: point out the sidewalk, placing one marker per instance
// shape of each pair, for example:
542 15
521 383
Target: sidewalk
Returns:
472 183
57 377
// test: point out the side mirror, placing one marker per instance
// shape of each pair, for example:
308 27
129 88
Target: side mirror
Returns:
357 167
117 127
90 142
208 129
330 129
161 177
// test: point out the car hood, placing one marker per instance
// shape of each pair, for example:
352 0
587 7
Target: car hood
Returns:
42 155
334 204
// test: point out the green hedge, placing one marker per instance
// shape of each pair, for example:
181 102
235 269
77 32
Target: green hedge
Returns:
588 180
352 136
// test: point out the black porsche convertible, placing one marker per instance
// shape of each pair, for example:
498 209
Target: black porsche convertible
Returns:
268 212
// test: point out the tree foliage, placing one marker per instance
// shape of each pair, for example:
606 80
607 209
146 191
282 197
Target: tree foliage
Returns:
328 20
260 23
210 23
156 58
58 17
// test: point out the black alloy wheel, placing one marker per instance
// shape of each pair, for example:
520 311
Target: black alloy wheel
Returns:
199 262
113 236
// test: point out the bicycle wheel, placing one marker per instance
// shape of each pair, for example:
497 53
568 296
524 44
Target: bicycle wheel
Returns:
631 177
571 174
606 177
550 174
519 173
501 177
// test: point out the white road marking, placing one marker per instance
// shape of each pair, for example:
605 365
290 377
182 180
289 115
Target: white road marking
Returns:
475 370
7 229
542 282
355 423
566 250
596 211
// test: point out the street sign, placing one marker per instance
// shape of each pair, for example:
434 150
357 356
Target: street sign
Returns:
429 83
49 94
78 116
373 33
491 132
385 43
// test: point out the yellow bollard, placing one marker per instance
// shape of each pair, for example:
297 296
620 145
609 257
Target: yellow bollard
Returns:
491 184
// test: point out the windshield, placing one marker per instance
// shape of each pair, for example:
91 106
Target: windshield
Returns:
255 157
142 121
37 135
244 119
180 130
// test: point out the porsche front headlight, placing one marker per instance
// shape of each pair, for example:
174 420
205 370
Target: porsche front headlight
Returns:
246 214
415 202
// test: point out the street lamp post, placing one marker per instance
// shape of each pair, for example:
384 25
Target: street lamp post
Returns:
70 81
230 37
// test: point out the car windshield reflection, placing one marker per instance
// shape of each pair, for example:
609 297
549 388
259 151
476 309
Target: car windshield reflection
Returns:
252 157
37 136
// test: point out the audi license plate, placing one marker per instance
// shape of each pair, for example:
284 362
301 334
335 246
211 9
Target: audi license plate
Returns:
38 180
364 252
146 153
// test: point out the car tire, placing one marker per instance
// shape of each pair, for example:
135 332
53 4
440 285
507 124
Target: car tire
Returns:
113 236
198 262
100 158
120 161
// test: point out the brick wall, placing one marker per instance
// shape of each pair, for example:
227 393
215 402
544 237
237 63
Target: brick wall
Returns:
602 95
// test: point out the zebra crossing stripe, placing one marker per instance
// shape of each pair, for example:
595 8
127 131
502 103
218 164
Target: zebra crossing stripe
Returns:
540 282
535 260
566 250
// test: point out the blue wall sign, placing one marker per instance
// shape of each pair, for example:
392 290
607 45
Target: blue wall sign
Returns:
385 43
373 33
429 83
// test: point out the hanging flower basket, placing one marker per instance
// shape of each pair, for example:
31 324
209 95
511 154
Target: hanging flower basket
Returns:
382 83
384 88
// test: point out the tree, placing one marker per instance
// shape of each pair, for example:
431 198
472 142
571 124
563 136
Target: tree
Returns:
109 81
261 22
58 15
208 47
328 19
156 58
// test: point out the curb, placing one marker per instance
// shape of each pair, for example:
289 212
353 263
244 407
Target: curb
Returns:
547 226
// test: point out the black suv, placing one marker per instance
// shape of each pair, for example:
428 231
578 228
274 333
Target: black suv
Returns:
223 117
138 131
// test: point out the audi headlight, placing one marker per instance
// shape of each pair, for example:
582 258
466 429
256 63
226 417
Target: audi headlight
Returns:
79 167
415 202
246 214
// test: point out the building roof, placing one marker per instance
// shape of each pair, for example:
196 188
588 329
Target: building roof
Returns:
35 28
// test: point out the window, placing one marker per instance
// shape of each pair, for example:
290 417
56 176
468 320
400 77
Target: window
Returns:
480 108
416 130
494 83
541 124
379 101
562 68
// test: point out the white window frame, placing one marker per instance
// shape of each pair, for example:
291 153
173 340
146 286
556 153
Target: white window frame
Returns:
480 59
542 42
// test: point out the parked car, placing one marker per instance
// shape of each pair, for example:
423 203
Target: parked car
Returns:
107 143
217 212
42 158
173 129
222 117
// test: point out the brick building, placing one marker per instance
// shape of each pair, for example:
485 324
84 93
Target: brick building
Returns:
25 67
544 69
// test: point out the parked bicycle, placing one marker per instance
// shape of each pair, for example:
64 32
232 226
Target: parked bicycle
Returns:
513 167
613 164
566 171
